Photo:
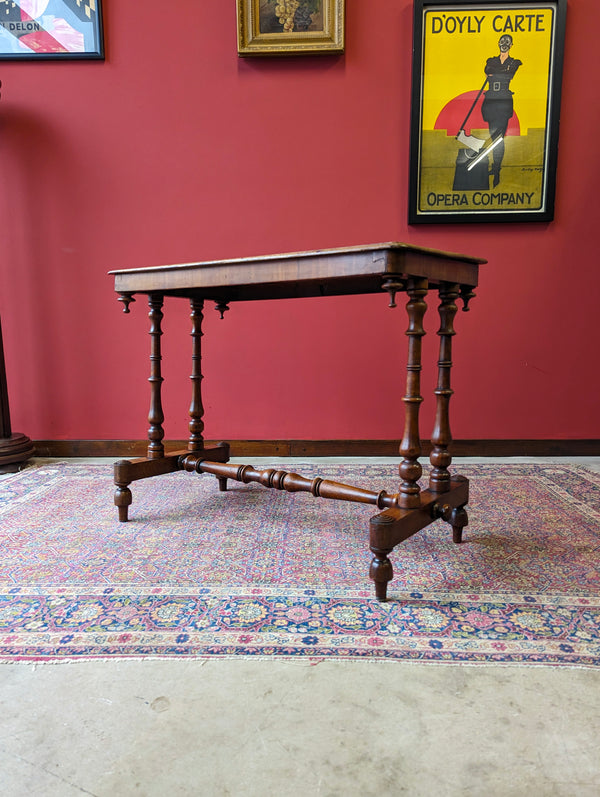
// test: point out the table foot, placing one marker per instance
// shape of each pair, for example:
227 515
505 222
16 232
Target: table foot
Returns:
395 524
458 520
123 499
130 470
381 572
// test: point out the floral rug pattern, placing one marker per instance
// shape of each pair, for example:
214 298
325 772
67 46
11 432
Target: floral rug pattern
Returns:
253 572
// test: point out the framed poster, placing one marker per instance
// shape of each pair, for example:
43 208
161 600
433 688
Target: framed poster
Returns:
485 110
290 27
38 29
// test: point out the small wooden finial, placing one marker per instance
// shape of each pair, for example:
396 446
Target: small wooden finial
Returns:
466 294
392 285
222 308
126 299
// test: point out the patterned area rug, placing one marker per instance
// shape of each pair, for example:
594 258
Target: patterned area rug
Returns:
254 572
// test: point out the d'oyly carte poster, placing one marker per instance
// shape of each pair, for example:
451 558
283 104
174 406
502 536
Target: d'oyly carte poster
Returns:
484 109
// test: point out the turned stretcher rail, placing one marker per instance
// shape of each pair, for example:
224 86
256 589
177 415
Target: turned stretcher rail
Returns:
291 482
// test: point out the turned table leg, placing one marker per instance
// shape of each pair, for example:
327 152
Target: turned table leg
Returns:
123 497
157 462
156 416
384 526
381 570
410 469
446 495
440 479
440 458
458 520
124 472
196 425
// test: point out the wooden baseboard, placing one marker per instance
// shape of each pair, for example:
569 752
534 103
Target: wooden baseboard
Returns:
325 448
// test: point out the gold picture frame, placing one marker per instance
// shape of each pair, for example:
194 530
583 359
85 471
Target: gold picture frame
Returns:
290 27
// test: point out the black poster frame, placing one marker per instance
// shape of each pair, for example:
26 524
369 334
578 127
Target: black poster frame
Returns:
58 30
446 184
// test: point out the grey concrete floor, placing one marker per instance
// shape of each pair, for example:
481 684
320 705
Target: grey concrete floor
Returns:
277 727
246 727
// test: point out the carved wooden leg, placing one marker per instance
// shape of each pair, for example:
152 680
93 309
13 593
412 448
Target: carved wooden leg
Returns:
458 520
157 463
381 570
440 458
124 471
410 469
127 471
196 424
123 497
156 416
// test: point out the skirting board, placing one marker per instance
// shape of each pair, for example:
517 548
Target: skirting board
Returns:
325 448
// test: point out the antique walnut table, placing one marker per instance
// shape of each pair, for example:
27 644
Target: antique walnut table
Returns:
389 267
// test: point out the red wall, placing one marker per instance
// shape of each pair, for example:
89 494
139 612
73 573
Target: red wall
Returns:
174 149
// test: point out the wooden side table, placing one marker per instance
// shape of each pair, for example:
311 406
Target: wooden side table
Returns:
392 267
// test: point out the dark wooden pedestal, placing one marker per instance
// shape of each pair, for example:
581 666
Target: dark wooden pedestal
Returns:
15 448
391 267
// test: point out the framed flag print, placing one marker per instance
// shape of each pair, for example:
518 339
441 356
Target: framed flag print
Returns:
39 29
485 110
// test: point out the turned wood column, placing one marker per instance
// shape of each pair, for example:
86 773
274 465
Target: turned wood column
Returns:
410 469
440 458
196 424
155 416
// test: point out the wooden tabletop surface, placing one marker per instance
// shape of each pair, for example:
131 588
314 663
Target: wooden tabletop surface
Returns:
324 272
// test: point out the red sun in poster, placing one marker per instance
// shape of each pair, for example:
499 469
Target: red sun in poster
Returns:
454 112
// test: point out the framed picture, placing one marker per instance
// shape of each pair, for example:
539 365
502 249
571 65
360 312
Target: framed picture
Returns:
485 110
38 29
290 27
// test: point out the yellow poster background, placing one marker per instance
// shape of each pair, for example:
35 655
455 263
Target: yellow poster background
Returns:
457 41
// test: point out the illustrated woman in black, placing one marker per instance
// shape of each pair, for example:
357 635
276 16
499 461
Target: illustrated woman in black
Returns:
497 107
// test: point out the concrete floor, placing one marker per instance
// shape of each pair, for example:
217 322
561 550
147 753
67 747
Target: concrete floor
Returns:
273 727
244 727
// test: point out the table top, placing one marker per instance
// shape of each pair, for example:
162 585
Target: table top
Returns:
322 272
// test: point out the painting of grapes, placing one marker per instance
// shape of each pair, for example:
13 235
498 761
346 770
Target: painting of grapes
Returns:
290 16
290 27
